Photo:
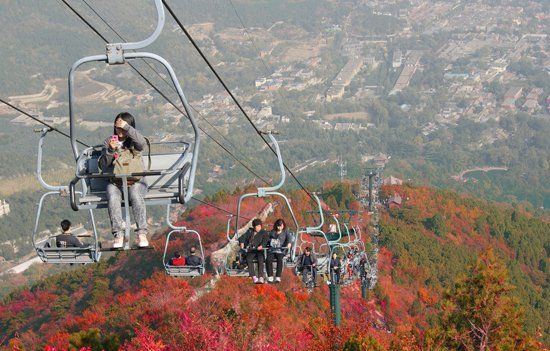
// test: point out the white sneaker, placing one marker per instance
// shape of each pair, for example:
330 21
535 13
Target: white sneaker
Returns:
143 242
118 243
278 279
270 279
261 280
255 280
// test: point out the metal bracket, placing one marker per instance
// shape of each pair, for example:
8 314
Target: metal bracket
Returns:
115 54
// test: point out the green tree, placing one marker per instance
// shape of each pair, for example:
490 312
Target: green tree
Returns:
436 224
480 313
358 343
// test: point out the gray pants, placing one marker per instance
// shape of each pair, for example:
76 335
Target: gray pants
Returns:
136 192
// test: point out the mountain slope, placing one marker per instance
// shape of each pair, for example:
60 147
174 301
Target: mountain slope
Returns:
127 302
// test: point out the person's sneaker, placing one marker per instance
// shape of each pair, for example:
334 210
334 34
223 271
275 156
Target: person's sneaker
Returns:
261 280
277 279
143 242
255 280
118 242
270 279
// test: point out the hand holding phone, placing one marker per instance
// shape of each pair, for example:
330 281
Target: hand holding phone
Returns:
114 143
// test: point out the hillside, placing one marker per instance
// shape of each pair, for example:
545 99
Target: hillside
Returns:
437 248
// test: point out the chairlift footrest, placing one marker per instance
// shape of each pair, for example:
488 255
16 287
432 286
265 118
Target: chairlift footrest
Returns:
107 246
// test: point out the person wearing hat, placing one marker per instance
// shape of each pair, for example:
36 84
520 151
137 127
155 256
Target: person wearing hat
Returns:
254 241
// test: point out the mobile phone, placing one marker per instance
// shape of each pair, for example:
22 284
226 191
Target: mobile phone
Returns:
114 138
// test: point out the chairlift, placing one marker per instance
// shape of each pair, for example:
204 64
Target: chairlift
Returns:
185 270
171 175
261 193
47 249
354 261
316 233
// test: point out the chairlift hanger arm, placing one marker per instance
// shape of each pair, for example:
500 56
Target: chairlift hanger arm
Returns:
322 222
197 48
148 41
41 180
262 191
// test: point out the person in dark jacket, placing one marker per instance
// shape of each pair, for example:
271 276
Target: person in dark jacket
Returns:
177 260
308 261
193 259
280 242
67 239
125 137
335 268
254 241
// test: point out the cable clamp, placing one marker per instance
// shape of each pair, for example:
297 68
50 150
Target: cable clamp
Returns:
115 54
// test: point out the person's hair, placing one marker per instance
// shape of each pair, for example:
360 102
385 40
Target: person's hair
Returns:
177 254
192 250
334 253
126 117
65 225
256 222
279 222
308 249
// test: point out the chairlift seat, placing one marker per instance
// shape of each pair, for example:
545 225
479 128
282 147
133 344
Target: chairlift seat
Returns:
184 271
74 255
237 272
162 188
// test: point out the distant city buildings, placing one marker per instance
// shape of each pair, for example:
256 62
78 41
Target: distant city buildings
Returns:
397 58
511 96
343 79
391 180
410 66
4 208
531 103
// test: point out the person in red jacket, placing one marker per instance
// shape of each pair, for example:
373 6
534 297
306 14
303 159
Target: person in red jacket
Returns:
177 260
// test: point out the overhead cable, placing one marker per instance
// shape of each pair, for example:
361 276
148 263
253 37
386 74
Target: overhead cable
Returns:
162 94
182 27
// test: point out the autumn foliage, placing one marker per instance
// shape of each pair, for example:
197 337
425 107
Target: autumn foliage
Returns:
430 283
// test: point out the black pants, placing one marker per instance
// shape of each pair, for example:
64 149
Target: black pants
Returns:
271 256
335 275
250 256
308 269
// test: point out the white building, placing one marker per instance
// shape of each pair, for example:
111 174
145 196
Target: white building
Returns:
4 208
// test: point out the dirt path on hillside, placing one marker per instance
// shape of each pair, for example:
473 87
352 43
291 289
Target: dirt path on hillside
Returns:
460 177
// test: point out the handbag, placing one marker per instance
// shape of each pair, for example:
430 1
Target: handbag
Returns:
130 161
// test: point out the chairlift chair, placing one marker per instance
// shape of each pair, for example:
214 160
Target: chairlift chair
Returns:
186 270
172 174
47 249
345 279
261 193
315 233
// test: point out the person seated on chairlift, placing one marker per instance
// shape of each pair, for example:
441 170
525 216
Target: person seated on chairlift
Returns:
335 268
177 260
308 262
279 245
349 266
193 259
240 260
126 140
254 241
66 238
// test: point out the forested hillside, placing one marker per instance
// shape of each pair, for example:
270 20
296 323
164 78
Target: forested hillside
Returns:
442 254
